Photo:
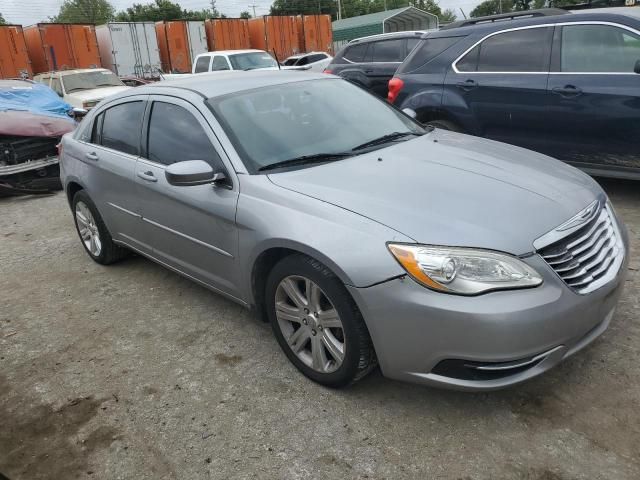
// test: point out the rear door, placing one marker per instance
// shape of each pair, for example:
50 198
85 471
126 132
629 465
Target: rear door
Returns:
191 228
594 97
110 151
497 88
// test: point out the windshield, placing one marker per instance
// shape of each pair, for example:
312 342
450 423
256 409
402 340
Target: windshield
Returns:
277 123
89 80
252 61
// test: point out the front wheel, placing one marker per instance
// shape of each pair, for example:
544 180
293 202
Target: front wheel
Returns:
317 323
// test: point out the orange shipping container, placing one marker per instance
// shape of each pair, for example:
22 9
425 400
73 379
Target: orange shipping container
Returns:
14 59
227 34
179 42
317 33
59 46
277 34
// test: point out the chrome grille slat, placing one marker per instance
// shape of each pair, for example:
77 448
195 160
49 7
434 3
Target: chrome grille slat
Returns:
585 255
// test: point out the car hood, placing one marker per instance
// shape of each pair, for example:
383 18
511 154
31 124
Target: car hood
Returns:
451 189
96 93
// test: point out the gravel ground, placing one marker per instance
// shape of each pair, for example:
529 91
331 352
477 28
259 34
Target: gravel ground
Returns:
132 372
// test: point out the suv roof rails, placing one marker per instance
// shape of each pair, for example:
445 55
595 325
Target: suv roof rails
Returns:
542 12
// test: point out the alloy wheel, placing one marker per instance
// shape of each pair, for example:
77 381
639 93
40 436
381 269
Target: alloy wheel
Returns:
310 324
88 229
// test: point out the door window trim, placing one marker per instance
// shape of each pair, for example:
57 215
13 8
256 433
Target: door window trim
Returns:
546 25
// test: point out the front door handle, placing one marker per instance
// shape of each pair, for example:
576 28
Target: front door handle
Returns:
567 91
467 85
91 156
148 176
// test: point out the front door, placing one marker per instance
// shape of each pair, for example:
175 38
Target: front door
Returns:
498 88
594 98
190 228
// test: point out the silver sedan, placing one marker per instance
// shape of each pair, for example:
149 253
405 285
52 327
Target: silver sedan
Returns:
363 237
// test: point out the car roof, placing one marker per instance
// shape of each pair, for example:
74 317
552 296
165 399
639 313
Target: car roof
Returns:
382 36
14 83
503 24
77 70
216 84
229 52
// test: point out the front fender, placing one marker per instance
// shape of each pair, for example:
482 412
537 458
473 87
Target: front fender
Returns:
352 246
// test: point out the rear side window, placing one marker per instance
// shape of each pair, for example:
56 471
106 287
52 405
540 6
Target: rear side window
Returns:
121 127
388 51
316 57
175 135
411 43
428 49
303 61
525 50
598 48
220 63
356 53
202 64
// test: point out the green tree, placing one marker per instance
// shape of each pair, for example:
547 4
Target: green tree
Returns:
2 20
492 7
151 12
245 14
85 11
448 16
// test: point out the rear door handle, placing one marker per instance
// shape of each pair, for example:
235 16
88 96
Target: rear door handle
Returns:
467 85
91 156
148 176
567 91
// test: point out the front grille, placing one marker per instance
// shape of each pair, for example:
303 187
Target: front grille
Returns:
587 257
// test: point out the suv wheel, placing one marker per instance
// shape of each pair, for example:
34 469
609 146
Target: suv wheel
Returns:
317 323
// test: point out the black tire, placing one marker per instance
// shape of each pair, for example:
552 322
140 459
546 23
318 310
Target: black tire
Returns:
359 356
110 252
444 125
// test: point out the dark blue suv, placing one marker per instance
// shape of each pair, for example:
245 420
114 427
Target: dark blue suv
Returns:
564 85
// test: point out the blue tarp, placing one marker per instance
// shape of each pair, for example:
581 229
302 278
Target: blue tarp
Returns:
32 97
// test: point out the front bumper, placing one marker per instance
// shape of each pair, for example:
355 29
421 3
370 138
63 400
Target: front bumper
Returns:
417 333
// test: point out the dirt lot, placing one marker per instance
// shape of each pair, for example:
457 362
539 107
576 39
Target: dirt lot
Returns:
132 372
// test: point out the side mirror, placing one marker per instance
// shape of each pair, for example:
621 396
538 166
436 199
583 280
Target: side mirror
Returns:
189 173
76 112
636 69
410 113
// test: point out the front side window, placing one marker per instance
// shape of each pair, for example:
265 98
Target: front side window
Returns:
303 61
89 80
220 63
121 127
202 64
310 117
598 48
175 136
526 50
388 51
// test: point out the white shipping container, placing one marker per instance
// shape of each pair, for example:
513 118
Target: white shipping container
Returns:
197 39
129 48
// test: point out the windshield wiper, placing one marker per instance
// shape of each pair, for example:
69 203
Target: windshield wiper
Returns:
306 159
384 139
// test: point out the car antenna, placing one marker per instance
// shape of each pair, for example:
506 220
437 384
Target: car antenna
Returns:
276 57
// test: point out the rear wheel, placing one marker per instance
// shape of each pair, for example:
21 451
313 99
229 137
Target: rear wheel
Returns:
443 125
317 323
92 231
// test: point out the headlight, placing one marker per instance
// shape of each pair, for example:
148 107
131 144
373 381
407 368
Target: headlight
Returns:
465 271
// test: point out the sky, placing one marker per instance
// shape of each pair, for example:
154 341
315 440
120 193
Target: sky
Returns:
28 12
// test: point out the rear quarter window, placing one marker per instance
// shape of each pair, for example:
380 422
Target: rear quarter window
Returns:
427 50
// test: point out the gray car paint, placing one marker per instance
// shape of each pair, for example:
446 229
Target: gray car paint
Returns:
443 188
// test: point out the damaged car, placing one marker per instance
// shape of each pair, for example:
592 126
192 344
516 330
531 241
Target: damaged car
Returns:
32 121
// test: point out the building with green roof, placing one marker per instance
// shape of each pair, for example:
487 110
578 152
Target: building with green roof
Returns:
397 20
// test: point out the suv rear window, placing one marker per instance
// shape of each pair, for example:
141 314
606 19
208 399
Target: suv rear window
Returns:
525 50
427 50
